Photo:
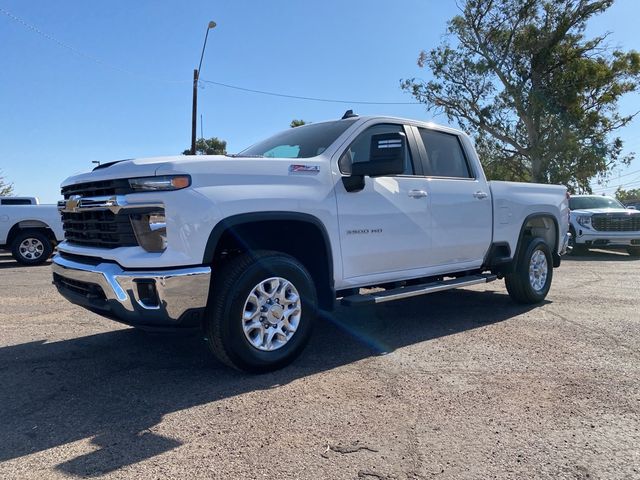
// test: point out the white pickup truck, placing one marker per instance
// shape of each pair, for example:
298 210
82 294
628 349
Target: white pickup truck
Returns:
250 246
28 229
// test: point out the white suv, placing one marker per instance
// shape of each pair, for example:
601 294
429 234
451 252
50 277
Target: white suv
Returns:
598 221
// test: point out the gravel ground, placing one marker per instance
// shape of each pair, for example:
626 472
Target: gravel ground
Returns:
455 385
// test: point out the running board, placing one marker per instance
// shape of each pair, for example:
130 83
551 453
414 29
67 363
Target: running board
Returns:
415 290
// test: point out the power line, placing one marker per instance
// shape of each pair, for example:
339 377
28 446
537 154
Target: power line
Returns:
635 182
78 52
101 62
313 99
629 173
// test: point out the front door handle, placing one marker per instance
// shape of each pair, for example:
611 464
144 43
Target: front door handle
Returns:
480 195
417 193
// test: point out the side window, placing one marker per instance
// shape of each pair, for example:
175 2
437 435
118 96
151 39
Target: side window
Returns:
360 149
445 156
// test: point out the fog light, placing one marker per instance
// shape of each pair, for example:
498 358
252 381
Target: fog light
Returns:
150 230
147 293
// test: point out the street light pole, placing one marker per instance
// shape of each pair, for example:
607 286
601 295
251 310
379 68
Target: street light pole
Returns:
196 77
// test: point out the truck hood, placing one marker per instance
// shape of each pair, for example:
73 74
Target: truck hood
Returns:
592 211
183 164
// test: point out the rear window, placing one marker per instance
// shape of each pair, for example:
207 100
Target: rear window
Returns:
15 201
445 157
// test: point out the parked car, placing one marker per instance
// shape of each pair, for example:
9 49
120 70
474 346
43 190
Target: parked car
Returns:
600 221
28 229
248 247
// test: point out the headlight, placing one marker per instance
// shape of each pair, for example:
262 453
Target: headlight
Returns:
151 230
164 182
584 220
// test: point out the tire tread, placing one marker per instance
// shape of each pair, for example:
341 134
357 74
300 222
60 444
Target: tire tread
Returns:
517 283
26 233
221 290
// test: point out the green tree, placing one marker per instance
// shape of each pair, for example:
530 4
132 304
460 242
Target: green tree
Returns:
539 97
628 195
297 123
6 189
209 146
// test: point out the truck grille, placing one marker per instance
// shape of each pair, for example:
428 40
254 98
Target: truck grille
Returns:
99 228
102 188
607 222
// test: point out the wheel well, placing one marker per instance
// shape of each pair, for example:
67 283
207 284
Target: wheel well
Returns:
545 227
303 240
30 225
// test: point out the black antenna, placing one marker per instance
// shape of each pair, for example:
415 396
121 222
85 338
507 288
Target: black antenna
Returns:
348 114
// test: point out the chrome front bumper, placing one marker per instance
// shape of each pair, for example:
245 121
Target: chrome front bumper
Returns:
164 298
612 239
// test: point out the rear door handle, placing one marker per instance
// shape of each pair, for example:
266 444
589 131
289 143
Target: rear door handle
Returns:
417 193
480 195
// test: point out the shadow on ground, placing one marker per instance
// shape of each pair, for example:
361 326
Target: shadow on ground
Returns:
112 387
601 255
7 261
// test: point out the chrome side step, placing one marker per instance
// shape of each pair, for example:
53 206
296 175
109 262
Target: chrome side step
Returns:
416 290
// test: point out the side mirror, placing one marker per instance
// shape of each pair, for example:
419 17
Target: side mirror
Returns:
631 207
386 157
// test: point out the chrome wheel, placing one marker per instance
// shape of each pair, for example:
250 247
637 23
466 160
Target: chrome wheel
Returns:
271 314
538 270
31 248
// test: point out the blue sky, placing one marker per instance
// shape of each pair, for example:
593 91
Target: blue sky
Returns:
119 86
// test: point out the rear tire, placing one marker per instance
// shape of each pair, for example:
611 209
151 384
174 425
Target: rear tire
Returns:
633 251
260 311
31 247
531 280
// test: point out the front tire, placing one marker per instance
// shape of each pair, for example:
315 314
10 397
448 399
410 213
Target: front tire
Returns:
260 312
531 280
31 247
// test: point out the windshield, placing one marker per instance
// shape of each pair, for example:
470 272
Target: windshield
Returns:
299 142
588 203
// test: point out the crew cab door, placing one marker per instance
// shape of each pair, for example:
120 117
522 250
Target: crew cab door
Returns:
461 209
385 226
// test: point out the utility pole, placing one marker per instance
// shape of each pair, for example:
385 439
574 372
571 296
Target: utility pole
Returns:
196 77
194 112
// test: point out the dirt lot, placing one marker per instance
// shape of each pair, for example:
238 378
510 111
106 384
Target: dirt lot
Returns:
459 384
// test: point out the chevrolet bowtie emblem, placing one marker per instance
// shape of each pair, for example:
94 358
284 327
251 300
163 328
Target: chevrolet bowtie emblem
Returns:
73 203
